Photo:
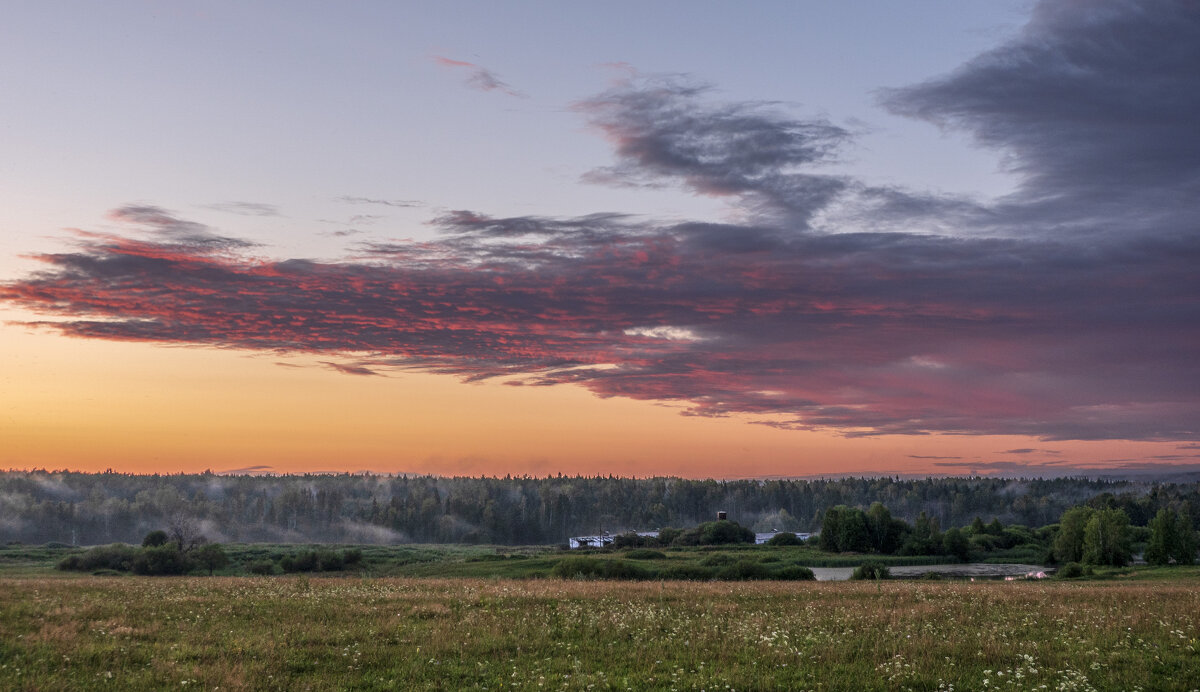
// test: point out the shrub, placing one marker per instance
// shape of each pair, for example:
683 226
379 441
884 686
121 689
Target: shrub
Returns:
329 560
591 568
716 533
794 573
161 560
210 556
744 570
718 560
785 538
870 570
769 558
668 535
645 554
117 556
155 539
1071 570
352 556
262 567
688 573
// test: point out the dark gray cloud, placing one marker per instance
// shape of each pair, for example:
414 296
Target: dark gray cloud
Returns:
1094 105
665 131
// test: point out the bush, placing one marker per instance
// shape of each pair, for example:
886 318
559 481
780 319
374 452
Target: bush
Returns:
769 558
794 573
688 573
330 561
591 568
744 570
117 556
716 533
668 535
155 539
870 570
785 538
261 567
161 560
645 554
1071 570
210 556
718 560
352 556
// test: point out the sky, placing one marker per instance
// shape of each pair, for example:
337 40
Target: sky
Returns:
774 239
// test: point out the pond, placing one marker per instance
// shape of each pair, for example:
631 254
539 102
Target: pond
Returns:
975 570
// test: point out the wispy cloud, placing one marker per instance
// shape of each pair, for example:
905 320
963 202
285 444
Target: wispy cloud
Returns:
1128 469
348 369
479 77
926 314
246 208
402 203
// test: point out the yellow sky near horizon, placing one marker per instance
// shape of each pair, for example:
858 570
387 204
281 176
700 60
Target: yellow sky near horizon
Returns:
91 405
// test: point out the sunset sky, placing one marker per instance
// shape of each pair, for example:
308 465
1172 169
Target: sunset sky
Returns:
670 238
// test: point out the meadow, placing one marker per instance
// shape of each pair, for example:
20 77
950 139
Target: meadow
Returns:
1138 629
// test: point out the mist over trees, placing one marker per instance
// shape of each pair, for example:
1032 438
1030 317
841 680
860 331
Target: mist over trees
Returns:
93 509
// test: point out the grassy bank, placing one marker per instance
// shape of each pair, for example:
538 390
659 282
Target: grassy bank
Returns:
323 634
505 562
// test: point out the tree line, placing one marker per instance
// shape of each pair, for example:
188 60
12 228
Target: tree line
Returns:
42 506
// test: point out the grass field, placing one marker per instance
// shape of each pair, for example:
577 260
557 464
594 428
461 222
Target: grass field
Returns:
1137 632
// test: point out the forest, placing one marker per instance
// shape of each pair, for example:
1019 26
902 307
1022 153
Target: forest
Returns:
40 506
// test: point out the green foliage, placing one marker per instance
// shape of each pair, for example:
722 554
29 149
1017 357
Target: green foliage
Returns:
593 568
718 560
1172 539
320 560
925 538
210 556
1072 570
784 538
154 539
117 556
844 530
107 507
870 570
955 543
720 532
669 535
794 573
162 560
688 572
1106 538
261 567
645 554
1068 544
744 570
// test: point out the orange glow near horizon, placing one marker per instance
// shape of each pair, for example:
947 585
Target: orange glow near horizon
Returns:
93 405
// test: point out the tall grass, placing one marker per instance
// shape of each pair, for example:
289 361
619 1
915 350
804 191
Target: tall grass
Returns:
318 633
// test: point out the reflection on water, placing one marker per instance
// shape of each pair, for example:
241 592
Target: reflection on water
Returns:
970 570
